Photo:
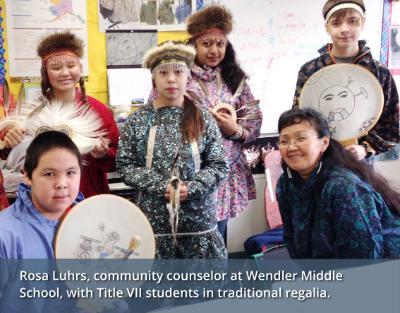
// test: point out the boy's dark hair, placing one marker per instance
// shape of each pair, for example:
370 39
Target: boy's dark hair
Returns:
45 142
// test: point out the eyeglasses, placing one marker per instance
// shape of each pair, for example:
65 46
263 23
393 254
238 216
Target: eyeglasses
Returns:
298 141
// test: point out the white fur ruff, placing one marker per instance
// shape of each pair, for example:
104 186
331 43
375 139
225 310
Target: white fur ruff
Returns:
81 123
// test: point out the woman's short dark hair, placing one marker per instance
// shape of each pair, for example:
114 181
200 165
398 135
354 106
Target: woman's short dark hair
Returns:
296 116
45 142
336 155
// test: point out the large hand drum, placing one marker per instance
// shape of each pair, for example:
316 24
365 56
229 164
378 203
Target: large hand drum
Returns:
348 96
105 227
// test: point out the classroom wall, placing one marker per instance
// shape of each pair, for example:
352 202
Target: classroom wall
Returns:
250 222
96 82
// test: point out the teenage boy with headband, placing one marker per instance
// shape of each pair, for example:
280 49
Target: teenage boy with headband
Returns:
344 21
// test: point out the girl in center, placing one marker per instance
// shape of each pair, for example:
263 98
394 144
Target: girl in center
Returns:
218 79
170 152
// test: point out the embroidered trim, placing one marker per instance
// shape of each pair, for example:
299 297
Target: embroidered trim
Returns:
196 156
189 234
211 31
150 147
57 53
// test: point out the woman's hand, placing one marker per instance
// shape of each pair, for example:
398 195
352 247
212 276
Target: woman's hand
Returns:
226 122
183 192
101 150
357 151
14 136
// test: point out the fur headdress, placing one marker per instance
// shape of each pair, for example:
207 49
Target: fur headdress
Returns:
60 42
331 6
169 52
212 17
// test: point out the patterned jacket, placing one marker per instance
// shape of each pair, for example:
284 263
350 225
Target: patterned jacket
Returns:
347 219
198 236
386 129
234 195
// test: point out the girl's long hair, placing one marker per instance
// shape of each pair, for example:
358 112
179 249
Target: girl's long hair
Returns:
193 122
231 72
336 155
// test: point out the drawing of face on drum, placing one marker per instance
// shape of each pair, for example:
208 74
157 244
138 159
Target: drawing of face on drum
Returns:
348 96
337 102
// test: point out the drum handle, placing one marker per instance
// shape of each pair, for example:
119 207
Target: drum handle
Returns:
133 244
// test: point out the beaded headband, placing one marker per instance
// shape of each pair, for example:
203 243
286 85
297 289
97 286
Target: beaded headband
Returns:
57 53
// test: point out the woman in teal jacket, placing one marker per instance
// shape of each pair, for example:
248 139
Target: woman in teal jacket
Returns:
332 205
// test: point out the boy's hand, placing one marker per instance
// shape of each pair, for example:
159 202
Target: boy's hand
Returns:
101 150
357 151
14 136
183 192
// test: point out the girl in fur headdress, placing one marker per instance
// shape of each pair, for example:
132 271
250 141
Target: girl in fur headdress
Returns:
62 102
170 152
219 82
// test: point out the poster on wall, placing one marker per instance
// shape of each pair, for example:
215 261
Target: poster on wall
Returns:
126 48
128 86
393 30
144 14
395 12
30 20
394 50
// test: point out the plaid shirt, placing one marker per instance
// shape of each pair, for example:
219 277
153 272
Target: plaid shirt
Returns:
386 130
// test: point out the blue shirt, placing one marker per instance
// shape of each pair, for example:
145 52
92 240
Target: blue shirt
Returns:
24 232
346 219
